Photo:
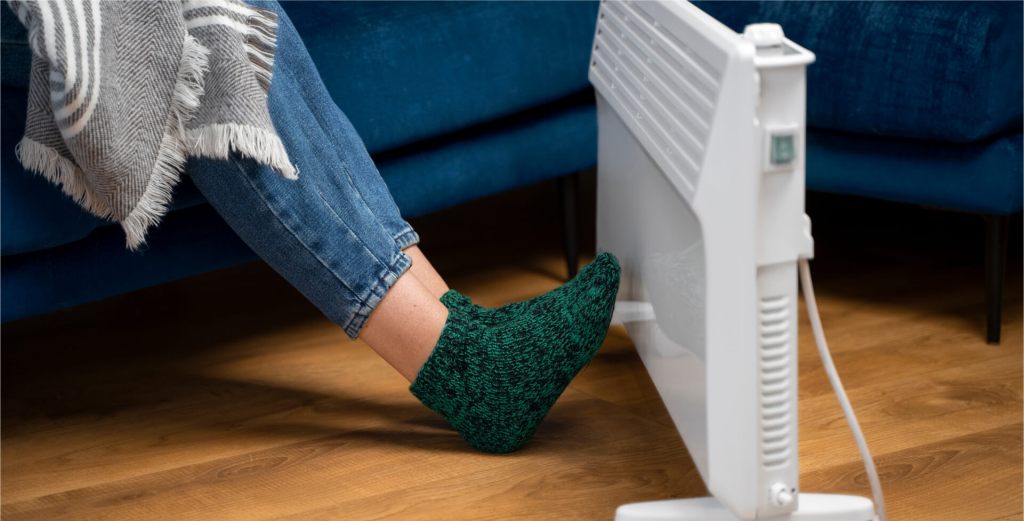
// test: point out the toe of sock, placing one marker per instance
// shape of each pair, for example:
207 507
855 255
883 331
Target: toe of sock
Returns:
606 265
594 294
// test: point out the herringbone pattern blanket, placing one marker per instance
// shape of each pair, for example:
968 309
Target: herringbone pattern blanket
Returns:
123 92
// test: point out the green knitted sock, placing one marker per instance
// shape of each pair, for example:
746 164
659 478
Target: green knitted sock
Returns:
494 383
455 300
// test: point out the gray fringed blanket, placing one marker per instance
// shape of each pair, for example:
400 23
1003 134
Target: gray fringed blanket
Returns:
121 93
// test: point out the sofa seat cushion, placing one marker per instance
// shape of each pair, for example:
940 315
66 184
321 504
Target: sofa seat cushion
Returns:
985 177
405 71
948 71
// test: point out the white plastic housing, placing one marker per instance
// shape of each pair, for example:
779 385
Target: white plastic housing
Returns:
708 225
813 507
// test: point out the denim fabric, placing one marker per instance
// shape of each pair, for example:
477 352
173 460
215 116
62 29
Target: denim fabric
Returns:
335 233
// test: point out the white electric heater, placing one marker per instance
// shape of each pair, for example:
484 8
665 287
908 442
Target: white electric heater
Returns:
701 197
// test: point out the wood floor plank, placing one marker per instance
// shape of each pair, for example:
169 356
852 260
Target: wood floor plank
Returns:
359 470
1012 517
598 487
965 478
214 413
914 411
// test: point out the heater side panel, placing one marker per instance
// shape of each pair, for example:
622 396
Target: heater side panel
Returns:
648 225
677 194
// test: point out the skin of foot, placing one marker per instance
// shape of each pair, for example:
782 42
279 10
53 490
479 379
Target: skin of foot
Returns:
495 382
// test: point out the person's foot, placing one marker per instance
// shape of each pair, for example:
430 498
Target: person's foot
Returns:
495 382
454 300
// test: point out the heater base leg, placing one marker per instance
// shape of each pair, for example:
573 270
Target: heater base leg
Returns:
813 507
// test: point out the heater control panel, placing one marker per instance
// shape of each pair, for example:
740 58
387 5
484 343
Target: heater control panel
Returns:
780 147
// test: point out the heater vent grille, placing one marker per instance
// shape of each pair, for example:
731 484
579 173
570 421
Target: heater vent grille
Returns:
776 382
661 84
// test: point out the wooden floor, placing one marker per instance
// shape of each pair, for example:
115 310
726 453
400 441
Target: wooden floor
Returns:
227 397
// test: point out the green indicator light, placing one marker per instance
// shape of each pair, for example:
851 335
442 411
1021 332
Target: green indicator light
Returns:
783 149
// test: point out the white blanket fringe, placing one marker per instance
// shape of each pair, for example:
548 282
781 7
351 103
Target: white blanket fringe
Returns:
171 158
219 140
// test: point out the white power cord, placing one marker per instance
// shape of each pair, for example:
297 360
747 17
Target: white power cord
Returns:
837 386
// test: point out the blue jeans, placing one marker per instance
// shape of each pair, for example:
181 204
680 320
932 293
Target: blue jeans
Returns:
335 233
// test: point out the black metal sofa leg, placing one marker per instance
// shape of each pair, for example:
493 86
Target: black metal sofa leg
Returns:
995 267
568 192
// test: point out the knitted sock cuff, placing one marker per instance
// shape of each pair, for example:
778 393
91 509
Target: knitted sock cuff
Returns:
454 300
440 380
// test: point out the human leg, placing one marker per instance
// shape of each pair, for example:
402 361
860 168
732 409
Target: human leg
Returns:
335 233
425 272
363 177
406 325
337 236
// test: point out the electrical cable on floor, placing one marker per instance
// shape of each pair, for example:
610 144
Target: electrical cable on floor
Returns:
837 386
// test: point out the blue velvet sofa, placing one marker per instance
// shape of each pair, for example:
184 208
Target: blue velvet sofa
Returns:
917 102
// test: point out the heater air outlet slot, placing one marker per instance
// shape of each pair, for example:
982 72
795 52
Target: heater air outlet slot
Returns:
776 381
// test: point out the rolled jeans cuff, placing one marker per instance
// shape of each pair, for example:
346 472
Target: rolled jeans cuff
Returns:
385 280
407 238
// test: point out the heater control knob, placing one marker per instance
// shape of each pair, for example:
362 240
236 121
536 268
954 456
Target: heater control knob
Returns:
782 495
764 35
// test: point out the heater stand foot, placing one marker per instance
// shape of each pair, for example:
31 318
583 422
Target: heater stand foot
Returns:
813 507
